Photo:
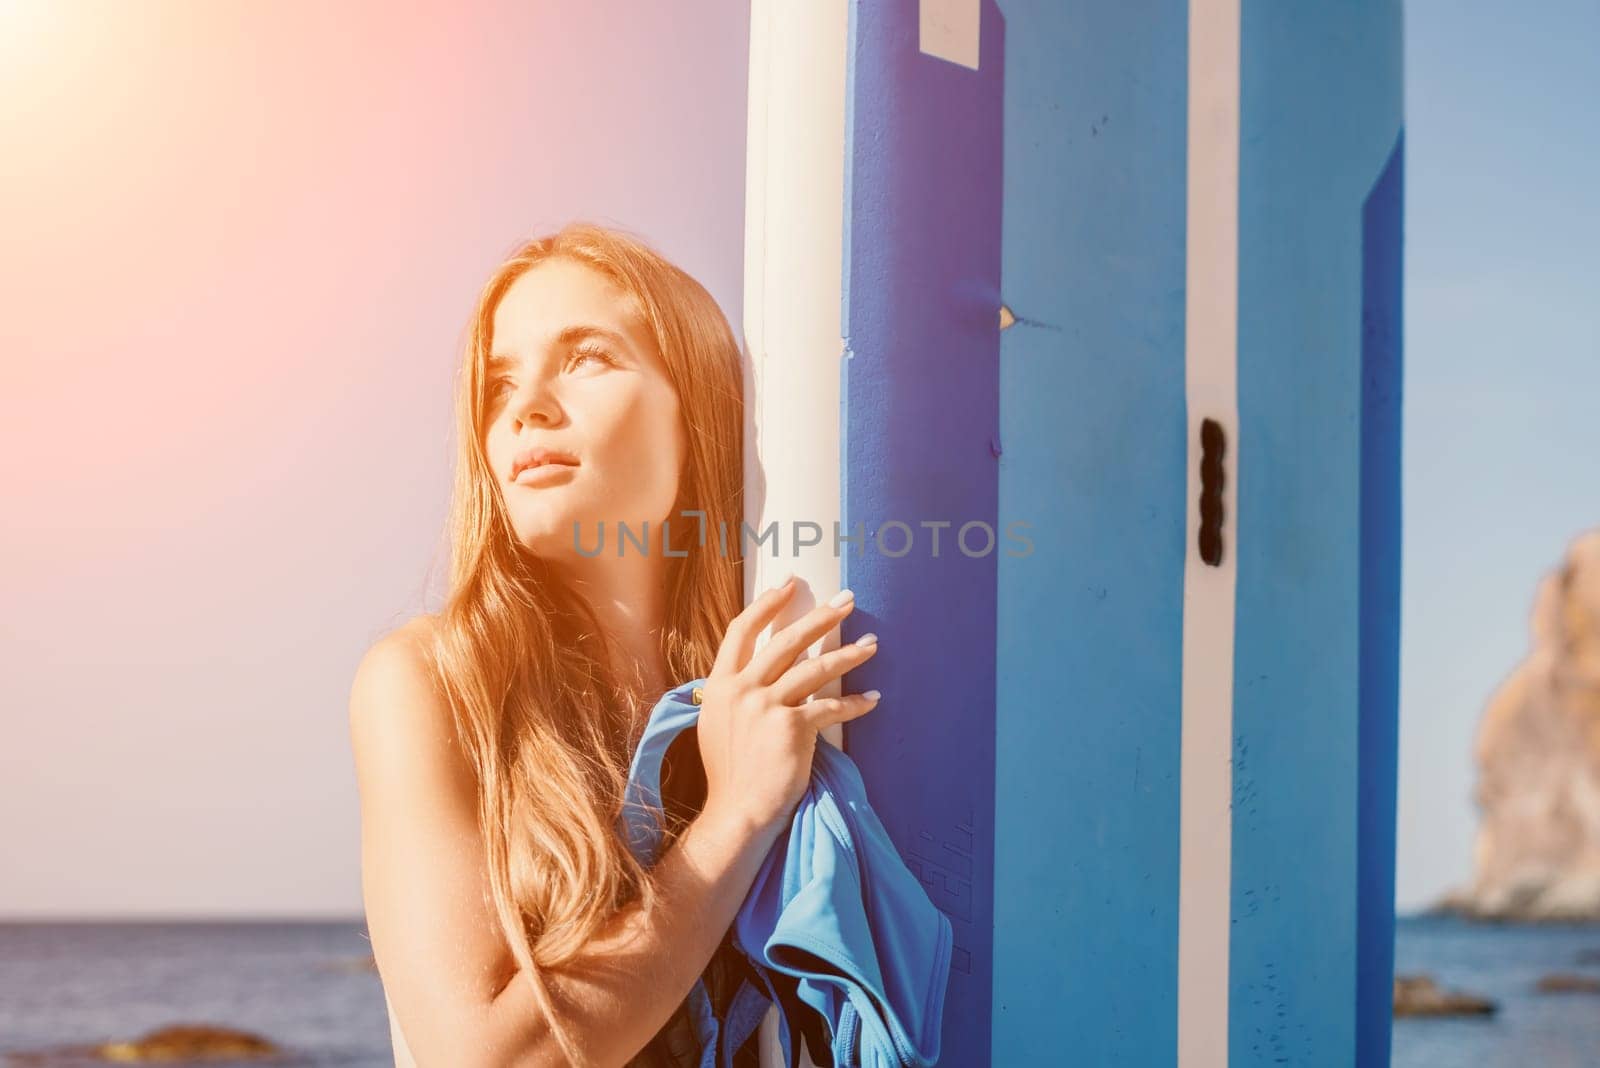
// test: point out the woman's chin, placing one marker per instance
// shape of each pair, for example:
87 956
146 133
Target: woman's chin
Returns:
558 539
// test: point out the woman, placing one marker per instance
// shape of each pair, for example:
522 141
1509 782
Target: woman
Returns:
601 388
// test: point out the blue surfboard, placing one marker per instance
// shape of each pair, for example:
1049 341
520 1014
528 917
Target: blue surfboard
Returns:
1117 380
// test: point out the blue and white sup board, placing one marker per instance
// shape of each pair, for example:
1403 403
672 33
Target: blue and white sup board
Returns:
1106 298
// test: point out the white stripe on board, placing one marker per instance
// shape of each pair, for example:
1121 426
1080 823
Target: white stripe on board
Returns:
793 283
1211 377
948 29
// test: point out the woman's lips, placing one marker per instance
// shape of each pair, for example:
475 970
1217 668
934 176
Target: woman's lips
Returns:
541 474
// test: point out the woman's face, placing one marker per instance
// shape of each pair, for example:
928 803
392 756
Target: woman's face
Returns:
573 370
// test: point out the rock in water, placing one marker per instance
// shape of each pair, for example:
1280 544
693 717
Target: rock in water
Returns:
1569 983
1418 995
1537 853
188 1043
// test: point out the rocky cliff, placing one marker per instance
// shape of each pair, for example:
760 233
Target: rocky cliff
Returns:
1537 853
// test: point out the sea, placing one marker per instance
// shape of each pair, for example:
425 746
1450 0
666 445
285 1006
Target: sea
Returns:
309 987
1504 963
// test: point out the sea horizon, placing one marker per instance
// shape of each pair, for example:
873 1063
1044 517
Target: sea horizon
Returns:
307 985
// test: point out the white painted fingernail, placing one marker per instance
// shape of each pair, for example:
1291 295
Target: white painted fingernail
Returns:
868 638
842 598
872 695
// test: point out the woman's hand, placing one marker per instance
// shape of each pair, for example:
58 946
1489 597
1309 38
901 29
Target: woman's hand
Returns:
757 729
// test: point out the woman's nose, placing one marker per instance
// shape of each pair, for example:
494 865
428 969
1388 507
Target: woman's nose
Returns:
535 403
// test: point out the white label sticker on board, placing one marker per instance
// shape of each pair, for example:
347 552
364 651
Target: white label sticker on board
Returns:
949 29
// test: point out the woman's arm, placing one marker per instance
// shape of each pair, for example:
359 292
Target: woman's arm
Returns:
630 980
453 983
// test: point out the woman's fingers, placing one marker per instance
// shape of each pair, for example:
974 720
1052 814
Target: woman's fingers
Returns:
813 673
825 711
776 657
739 640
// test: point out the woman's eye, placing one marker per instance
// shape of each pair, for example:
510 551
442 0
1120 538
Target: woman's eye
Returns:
593 353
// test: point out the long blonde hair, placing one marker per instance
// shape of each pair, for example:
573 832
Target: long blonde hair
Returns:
541 716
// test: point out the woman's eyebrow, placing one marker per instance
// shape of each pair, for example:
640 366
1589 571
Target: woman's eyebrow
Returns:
504 361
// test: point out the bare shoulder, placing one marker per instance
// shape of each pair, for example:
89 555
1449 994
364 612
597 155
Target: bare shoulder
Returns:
414 635
398 710
399 660
423 866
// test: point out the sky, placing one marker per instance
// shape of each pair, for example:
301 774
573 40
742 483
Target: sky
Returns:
1501 438
241 245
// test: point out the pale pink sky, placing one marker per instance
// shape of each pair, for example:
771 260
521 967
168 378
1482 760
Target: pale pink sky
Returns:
241 245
